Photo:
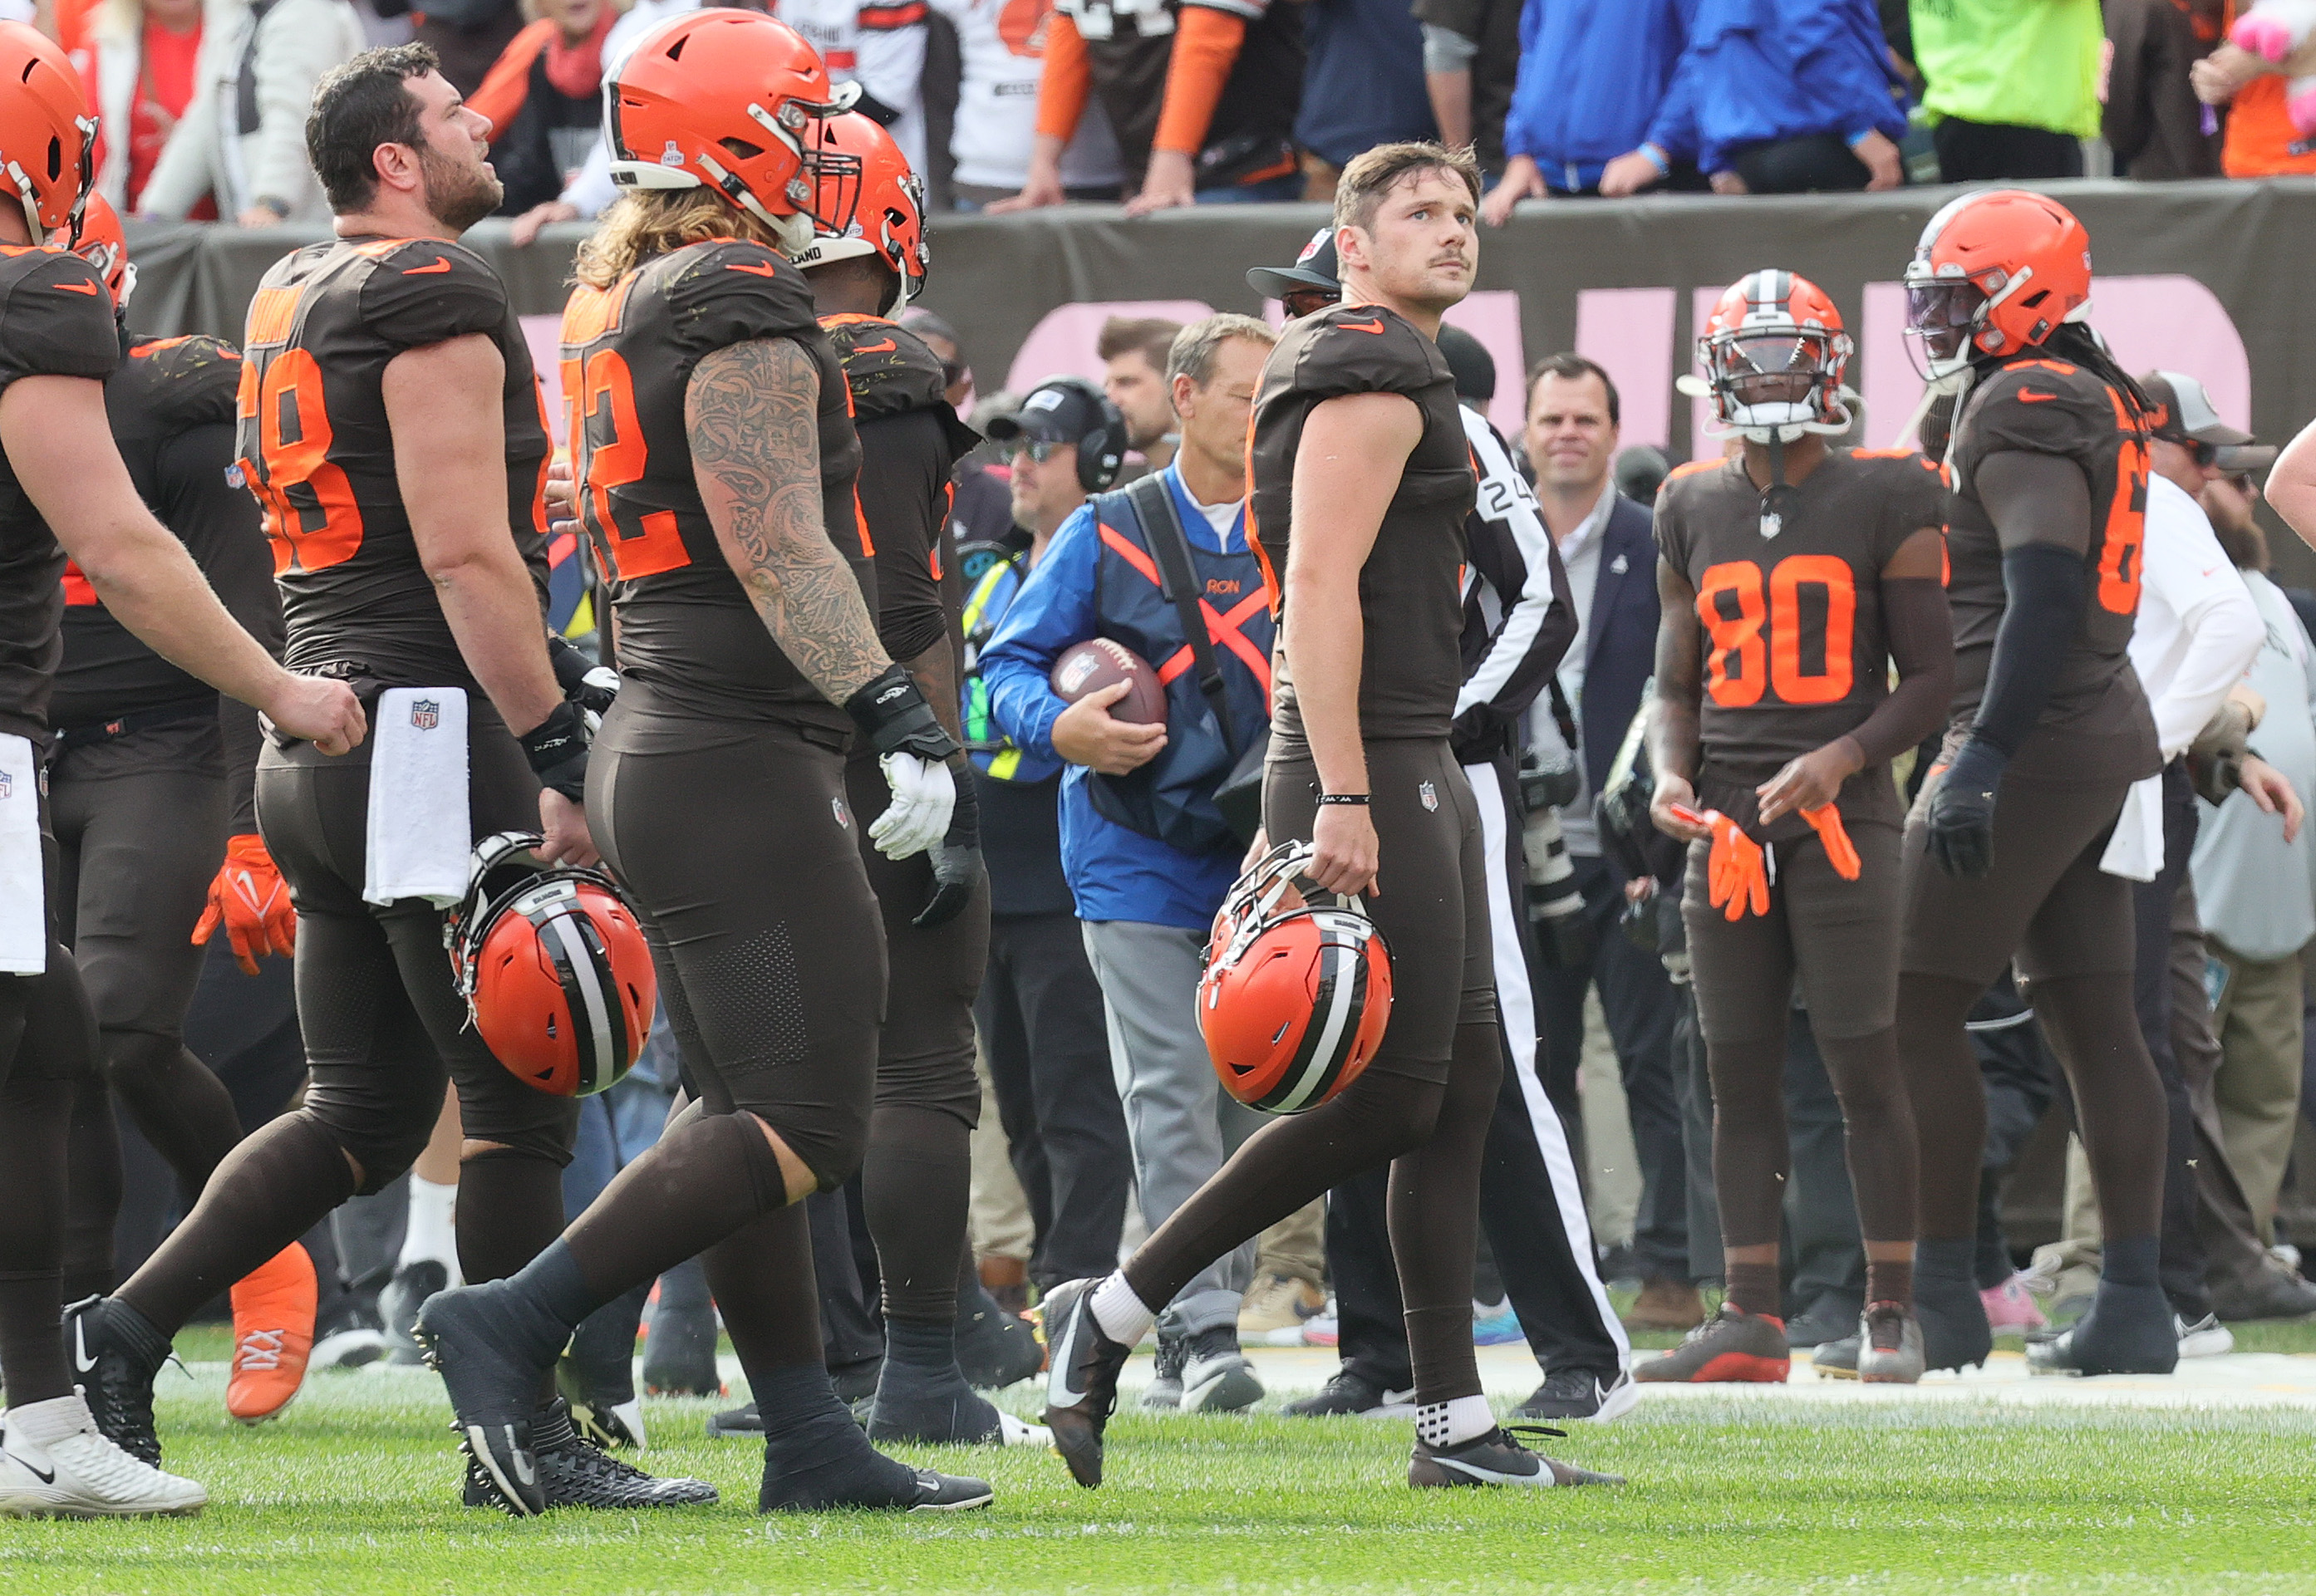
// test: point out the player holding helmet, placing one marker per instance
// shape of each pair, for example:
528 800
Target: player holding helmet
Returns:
1360 482
865 264
2050 728
716 465
64 491
390 424
1790 578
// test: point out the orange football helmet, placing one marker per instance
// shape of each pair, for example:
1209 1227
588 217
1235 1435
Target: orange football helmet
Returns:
104 245
1774 354
887 213
47 136
554 968
728 99
1995 271
1295 997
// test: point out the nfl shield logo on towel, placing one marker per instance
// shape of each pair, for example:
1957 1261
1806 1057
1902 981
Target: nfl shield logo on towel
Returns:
7 784
1430 796
425 714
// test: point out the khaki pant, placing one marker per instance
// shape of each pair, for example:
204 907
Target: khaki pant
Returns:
2256 1091
1296 1247
1000 1214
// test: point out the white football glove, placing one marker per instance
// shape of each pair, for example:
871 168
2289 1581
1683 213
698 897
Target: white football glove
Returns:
918 817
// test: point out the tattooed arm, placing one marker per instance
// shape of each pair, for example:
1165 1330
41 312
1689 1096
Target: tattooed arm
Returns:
751 412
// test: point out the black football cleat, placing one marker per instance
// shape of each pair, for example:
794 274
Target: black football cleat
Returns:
1597 1394
1496 1458
2129 1330
474 1337
115 1354
1081 1382
819 1460
993 1348
575 1472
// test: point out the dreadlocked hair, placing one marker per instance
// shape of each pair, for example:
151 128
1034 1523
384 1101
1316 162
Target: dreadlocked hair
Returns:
2075 341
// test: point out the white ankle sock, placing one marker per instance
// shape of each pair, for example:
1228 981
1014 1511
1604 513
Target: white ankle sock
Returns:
432 1233
1120 1313
1454 1422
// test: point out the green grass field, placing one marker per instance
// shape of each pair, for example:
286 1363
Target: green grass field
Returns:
354 1490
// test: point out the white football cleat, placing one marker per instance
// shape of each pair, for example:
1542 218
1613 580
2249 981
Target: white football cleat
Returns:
53 1464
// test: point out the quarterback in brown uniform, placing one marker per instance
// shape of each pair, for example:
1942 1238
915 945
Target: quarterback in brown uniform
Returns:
63 491
390 425
2050 728
715 463
1792 577
864 267
1360 482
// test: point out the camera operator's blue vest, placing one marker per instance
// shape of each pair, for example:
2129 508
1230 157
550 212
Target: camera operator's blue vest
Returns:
1171 798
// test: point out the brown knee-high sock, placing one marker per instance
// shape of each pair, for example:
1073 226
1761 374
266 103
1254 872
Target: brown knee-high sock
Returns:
1879 1140
510 1207
1279 1168
92 1190
707 1178
764 1286
1751 1156
914 1185
2119 1101
1433 1212
182 1107
1947 1099
268 1192
34 1116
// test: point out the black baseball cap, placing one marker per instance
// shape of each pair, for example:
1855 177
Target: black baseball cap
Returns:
1314 268
1059 410
2185 414
1468 359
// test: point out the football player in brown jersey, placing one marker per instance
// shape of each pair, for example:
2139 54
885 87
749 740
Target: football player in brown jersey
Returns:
1360 481
1791 576
865 265
390 425
153 783
715 463
2049 463
64 491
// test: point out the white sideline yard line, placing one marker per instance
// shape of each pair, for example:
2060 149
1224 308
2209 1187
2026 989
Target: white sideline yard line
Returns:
2239 1380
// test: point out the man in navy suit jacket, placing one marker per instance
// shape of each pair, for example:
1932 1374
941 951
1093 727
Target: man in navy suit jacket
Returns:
1607 544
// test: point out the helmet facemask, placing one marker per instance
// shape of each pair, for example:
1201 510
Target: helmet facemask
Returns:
1772 384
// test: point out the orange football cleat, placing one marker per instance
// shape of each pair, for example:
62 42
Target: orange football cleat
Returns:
272 1335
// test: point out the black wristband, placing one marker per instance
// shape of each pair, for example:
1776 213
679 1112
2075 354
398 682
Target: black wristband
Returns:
1358 799
557 749
895 717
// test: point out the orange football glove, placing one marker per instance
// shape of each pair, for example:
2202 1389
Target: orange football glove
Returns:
252 901
1736 873
1826 821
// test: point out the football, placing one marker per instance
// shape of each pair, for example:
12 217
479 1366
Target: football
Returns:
1090 667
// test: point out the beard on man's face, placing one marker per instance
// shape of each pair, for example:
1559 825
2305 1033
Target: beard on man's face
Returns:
458 195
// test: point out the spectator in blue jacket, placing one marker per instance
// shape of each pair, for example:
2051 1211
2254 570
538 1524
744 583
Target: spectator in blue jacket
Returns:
1147 853
1593 77
1783 97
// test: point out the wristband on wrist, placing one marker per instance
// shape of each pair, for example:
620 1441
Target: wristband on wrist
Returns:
1356 799
557 749
895 717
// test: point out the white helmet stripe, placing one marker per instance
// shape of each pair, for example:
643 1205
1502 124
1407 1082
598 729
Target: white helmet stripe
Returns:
596 1063
1337 963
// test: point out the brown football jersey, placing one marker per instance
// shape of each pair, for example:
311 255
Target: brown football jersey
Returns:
2096 725
686 625
1410 594
317 450
1792 645
55 320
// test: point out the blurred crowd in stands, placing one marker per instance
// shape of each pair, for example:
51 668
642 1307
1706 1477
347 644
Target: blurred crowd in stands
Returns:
1012 104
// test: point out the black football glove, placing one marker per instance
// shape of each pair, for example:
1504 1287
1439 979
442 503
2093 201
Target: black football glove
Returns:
955 859
1962 810
584 683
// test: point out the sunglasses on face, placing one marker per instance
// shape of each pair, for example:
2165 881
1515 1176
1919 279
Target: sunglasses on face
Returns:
1039 450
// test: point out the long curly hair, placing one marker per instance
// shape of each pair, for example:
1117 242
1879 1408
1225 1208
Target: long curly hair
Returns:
644 223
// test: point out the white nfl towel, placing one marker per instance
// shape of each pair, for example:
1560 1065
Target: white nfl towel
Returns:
2135 851
419 833
24 889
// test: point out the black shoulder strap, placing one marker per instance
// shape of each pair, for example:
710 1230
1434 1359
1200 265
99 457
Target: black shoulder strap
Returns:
1162 527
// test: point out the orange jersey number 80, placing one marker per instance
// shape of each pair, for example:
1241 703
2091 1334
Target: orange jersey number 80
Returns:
310 513
1730 603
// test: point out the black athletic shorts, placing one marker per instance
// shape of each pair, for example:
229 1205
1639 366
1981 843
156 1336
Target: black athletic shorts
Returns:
140 823
1838 938
2045 900
380 1012
1432 902
925 1053
741 850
